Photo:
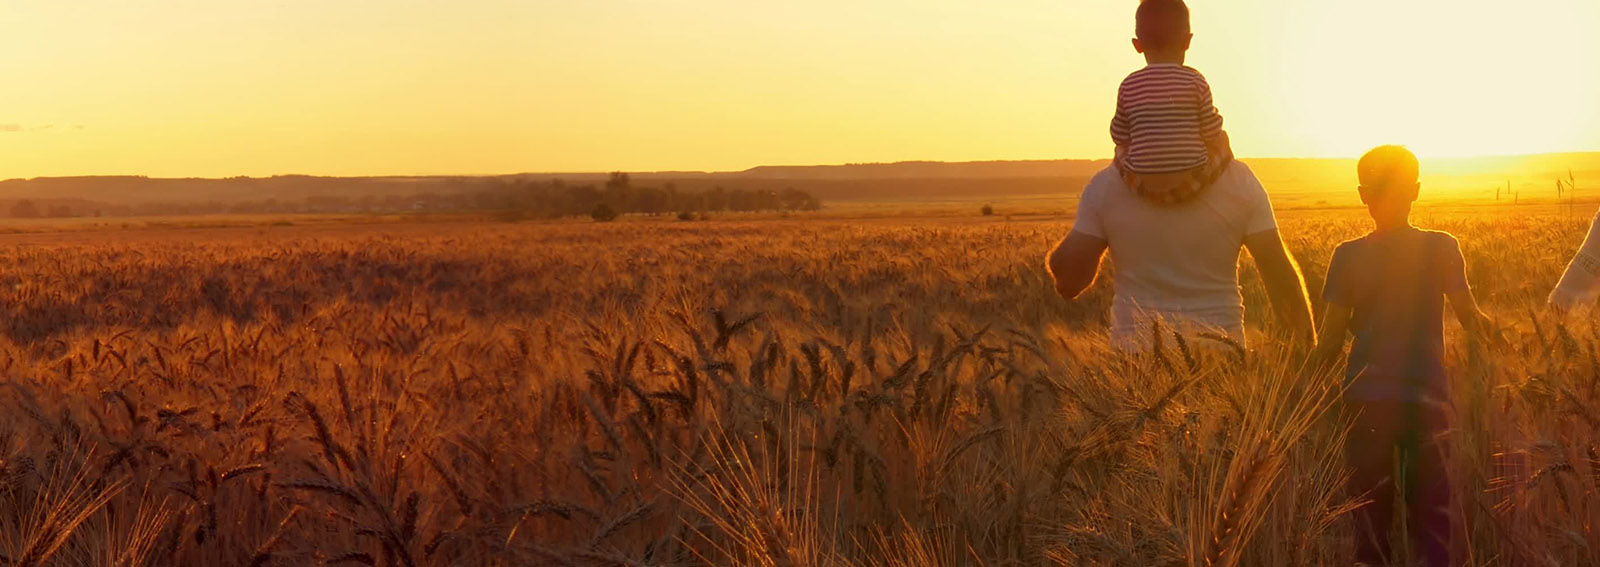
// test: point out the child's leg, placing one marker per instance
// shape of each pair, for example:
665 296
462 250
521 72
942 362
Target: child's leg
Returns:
1219 153
1428 519
1369 452
1171 188
1182 186
1129 178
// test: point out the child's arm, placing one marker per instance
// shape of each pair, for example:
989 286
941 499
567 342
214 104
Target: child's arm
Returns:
1465 306
1330 340
1210 119
1121 125
1336 298
1473 321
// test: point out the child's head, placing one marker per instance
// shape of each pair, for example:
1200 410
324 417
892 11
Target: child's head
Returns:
1161 30
1388 176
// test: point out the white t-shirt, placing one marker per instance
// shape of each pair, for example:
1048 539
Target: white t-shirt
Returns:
1577 286
1179 262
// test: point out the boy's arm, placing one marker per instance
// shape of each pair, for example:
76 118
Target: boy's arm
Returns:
1473 321
1330 340
1121 125
1465 306
1210 119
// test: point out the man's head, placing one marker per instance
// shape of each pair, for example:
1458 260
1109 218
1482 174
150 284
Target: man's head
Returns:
1161 30
1388 176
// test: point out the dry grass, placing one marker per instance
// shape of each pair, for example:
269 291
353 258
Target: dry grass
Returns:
771 393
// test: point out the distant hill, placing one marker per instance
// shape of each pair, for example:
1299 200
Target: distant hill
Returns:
1302 177
931 170
896 170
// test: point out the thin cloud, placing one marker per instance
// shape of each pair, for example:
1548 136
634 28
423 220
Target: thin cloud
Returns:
14 127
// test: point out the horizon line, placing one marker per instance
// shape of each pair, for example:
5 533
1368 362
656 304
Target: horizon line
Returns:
1424 158
729 171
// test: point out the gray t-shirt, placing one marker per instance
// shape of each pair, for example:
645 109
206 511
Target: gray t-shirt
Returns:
1394 283
1175 263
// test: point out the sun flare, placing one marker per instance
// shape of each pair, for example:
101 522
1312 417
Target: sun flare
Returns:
1446 78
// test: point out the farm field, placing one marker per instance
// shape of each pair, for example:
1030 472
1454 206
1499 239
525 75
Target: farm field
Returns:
782 391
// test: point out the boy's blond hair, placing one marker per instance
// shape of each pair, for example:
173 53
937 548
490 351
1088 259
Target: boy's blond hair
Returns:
1387 166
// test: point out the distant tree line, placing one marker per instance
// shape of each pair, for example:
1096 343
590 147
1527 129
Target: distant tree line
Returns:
554 198
558 198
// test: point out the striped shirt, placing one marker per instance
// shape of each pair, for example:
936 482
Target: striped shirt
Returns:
1164 116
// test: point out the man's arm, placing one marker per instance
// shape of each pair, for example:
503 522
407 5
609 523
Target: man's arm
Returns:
1286 289
1075 262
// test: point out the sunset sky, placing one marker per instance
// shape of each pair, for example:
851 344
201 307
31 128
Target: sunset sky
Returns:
348 87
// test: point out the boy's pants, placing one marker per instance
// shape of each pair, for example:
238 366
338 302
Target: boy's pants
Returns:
1395 447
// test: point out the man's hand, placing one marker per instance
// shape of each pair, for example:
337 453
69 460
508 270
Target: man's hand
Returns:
1285 287
1074 263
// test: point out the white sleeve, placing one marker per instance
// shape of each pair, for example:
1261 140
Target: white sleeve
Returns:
1258 215
1255 210
1577 285
1088 219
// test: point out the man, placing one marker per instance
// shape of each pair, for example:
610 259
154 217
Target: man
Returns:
1178 262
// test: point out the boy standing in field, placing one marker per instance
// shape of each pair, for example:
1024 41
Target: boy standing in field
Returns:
1388 289
1169 137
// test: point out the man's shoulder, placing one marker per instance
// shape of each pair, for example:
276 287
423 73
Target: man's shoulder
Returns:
1107 179
1240 181
1239 171
1104 183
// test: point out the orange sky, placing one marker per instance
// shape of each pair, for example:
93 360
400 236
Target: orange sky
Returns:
347 87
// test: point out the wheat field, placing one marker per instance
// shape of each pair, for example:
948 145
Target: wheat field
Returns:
780 392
